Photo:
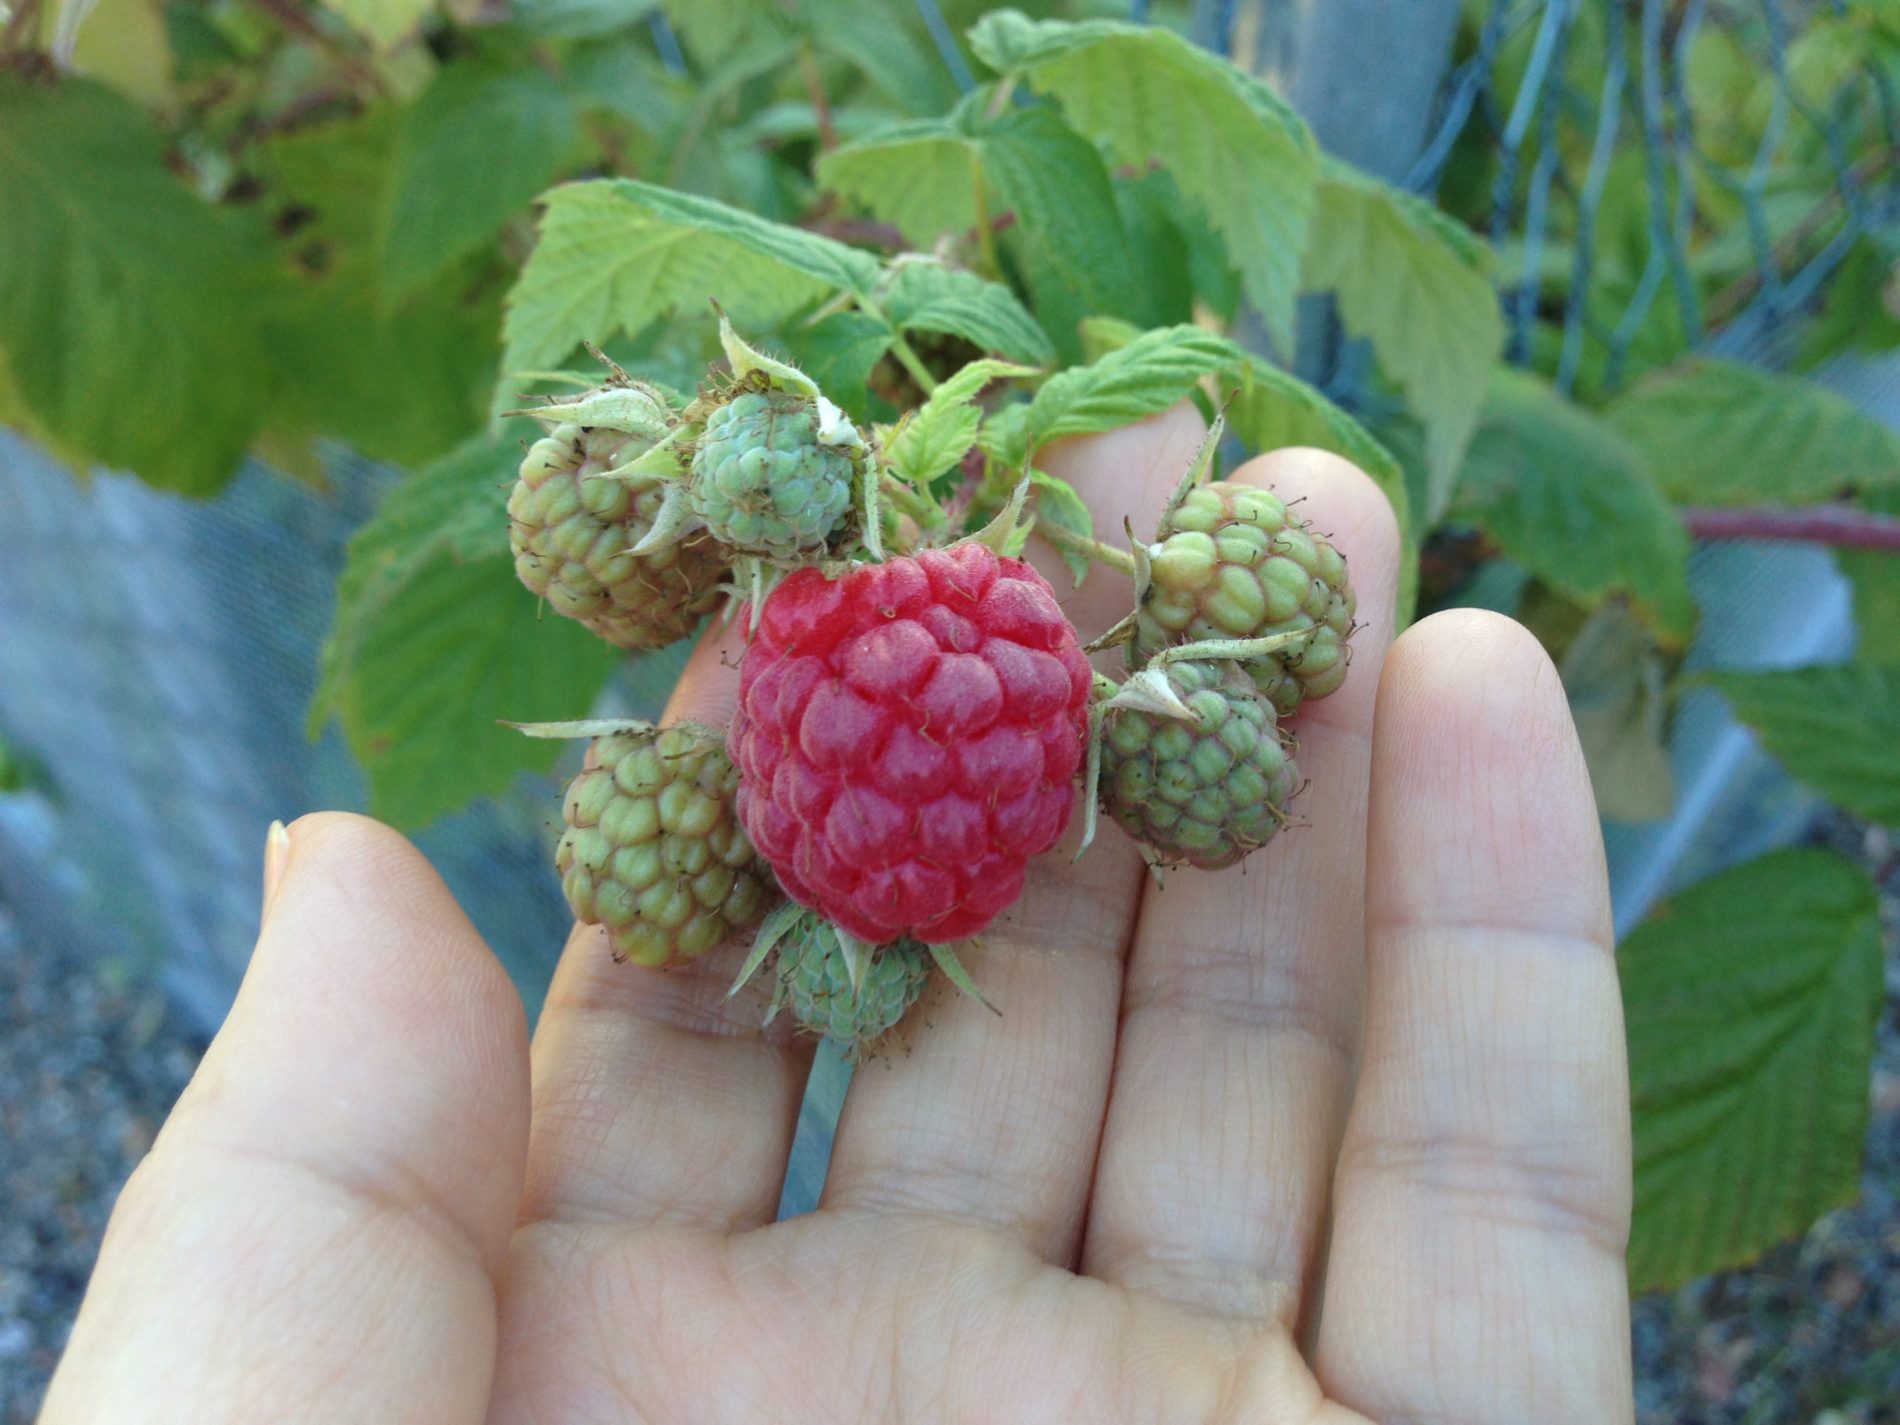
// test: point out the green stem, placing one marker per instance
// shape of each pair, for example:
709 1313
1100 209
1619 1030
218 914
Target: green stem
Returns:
999 101
914 503
900 348
985 239
911 362
1071 542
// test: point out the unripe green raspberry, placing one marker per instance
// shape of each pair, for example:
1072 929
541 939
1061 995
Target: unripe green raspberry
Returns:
763 484
1230 563
1197 770
654 850
814 979
572 526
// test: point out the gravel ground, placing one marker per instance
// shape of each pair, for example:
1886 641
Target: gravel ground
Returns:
1809 1336
87 1073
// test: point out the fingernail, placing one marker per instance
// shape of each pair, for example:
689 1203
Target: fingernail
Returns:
276 855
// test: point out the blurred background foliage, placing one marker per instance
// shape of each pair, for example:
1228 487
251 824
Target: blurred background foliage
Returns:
1571 323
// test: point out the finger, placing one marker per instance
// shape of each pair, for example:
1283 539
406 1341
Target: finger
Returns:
657 1098
314 1233
1476 1272
994 1119
1240 1012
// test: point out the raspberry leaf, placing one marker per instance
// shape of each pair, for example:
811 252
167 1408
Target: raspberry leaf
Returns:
1235 148
1717 433
472 151
935 436
140 354
1834 727
432 631
928 297
1413 284
339 342
1565 495
839 352
1138 380
382 22
616 254
922 176
1750 1001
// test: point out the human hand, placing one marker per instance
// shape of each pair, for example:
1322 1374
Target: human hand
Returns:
1340 1135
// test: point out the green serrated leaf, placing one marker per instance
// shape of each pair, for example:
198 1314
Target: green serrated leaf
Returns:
1412 283
1835 727
140 354
938 433
615 255
1058 504
1068 238
921 176
1750 1001
892 56
926 296
1135 381
579 19
382 22
1234 147
340 347
435 642
1717 433
473 152
839 352
1569 498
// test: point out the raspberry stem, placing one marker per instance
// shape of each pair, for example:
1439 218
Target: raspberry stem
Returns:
1070 542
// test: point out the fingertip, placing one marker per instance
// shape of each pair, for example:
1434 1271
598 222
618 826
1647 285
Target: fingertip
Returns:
1474 739
1486 675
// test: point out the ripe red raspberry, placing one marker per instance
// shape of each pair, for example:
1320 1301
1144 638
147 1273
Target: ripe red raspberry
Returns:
907 737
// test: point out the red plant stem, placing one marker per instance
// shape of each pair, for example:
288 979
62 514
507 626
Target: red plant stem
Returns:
1838 526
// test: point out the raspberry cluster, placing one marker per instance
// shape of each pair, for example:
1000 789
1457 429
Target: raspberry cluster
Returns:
912 722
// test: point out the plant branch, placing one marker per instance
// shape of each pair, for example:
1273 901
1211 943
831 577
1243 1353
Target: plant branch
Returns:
1070 542
815 88
908 359
292 17
1838 526
22 23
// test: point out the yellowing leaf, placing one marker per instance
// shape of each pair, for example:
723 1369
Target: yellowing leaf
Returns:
121 43
1412 283
382 22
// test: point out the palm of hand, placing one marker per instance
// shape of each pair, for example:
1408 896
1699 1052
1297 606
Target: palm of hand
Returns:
1387 1058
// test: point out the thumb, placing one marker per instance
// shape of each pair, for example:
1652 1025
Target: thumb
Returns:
314 1233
